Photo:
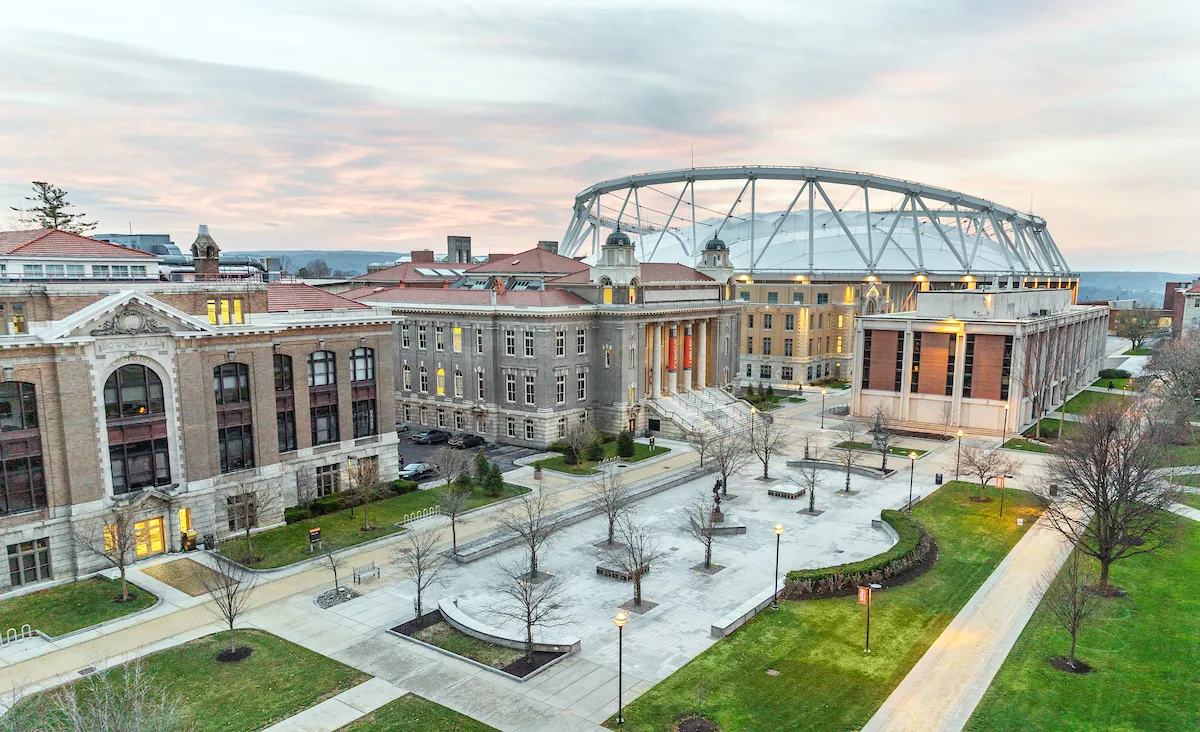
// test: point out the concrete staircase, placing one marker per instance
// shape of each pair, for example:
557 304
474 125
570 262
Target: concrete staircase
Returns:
711 409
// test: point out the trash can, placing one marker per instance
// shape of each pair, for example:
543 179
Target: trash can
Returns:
210 543
937 479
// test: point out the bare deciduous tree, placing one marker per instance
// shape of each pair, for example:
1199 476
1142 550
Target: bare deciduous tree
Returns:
128 701
113 537
1112 496
730 453
454 501
884 432
248 504
701 441
451 462
533 604
229 586
809 475
1176 366
363 476
1136 324
530 519
1036 375
333 560
611 496
767 437
844 450
1070 598
987 464
306 486
420 561
638 550
698 523
946 417
578 437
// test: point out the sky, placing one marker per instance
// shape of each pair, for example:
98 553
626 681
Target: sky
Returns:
309 124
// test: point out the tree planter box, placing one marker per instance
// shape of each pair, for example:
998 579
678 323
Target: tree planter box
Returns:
727 530
786 491
618 573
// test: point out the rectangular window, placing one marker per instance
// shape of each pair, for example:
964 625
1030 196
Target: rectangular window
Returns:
766 343
785 373
562 426
950 355
582 385
750 344
822 298
529 390
460 421
899 368
422 338
764 372
607 358
768 321
529 344
510 342
915 374
839 344
29 562
136 271
797 298
424 380
241 511
744 296
100 271
479 385
439 338
866 361
212 311
235 443
749 321
820 321
19 325
581 342
749 370
75 271
33 270
441 417
479 340
529 429
1006 368
787 346
324 424
772 298
968 365
224 310
405 341
365 422
841 320
510 387
789 322
512 427
55 270
560 343
285 425
120 272
560 388
329 479
457 333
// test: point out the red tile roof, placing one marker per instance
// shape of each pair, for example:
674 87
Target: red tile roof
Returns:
533 261
407 272
282 298
358 292
519 298
1194 288
651 272
55 243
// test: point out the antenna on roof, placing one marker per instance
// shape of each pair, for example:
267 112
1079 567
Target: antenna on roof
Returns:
131 228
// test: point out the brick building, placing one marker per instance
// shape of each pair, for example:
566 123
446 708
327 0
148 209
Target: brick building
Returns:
164 396
986 359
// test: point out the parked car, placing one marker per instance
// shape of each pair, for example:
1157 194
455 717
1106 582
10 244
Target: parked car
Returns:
418 471
466 440
430 437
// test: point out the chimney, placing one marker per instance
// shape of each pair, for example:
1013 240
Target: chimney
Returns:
206 255
549 246
458 249
422 255
496 256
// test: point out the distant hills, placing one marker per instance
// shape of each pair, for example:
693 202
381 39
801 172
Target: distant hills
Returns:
349 260
1146 287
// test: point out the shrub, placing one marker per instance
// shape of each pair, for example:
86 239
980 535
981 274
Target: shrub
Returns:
607 437
493 485
625 446
325 504
482 467
539 464
568 454
292 514
770 390
914 546
594 452
401 486
1114 374
463 481
750 390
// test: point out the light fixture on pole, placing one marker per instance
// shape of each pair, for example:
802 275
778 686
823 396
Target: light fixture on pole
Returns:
912 469
823 409
778 535
1001 483
958 459
620 620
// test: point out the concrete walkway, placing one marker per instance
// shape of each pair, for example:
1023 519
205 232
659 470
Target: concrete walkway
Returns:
1185 511
339 711
941 691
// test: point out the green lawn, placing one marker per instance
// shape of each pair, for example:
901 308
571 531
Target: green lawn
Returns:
445 636
285 545
796 400
1050 429
1085 400
588 467
1138 352
1177 455
278 680
1018 443
411 713
825 681
1192 479
73 606
1190 499
1117 384
868 447
1145 649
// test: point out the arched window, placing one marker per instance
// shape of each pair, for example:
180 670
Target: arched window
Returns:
458 383
22 483
137 429
606 288
633 288
285 403
323 397
441 382
235 430
362 391
406 378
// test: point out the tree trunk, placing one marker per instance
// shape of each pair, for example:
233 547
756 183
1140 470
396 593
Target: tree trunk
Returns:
529 642
367 513
982 490
637 589
708 554
335 579
124 586
883 466
1071 657
532 565
765 464
232 638
249 548
812 498
1102 583
847 478
453 536
611 525
418 603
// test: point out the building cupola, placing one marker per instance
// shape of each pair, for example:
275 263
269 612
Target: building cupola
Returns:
206 255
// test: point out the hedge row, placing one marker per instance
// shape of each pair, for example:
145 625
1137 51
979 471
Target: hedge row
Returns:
344 499
1114 374
913 548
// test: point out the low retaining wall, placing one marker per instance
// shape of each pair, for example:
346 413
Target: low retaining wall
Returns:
742 615
830 465
466 624
722 530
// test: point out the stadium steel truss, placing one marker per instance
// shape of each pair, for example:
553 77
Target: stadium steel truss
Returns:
920 229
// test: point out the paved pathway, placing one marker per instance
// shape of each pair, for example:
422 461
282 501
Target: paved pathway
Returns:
1185 511
942 689
339 711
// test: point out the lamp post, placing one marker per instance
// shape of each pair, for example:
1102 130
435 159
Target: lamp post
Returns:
823 408
1004 427
912 469
619 621
1001 484
958 459
778 534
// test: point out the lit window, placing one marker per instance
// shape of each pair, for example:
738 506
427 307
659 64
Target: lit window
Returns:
441 382
457 339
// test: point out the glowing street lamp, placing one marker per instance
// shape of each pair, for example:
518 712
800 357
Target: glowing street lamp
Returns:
778 534
620 620
912 469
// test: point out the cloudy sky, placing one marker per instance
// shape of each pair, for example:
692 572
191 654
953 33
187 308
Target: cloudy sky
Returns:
354 125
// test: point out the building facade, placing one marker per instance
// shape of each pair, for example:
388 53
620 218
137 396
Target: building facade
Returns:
987 359
168 398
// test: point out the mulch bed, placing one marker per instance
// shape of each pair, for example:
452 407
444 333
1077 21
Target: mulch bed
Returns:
908 575
697 724
412 626
1062 664
330 598
521 668
238 654
119 600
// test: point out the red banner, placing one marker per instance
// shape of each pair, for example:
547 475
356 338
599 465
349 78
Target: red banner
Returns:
672 356
687 346
864 595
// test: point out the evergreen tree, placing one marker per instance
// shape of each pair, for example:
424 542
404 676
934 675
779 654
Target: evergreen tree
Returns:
494 483
625 446
595 452
48 209
482 467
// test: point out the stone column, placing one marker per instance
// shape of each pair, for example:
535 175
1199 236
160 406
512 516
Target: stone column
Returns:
687 356
702 354
656 361
672 359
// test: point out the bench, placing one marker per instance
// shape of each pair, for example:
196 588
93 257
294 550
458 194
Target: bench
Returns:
618 573
785 491
365 570
726 530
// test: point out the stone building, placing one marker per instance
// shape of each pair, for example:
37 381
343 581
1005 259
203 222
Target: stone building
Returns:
166 397
523 346
989 359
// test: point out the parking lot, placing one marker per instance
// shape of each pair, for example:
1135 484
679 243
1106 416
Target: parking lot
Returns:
504 455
